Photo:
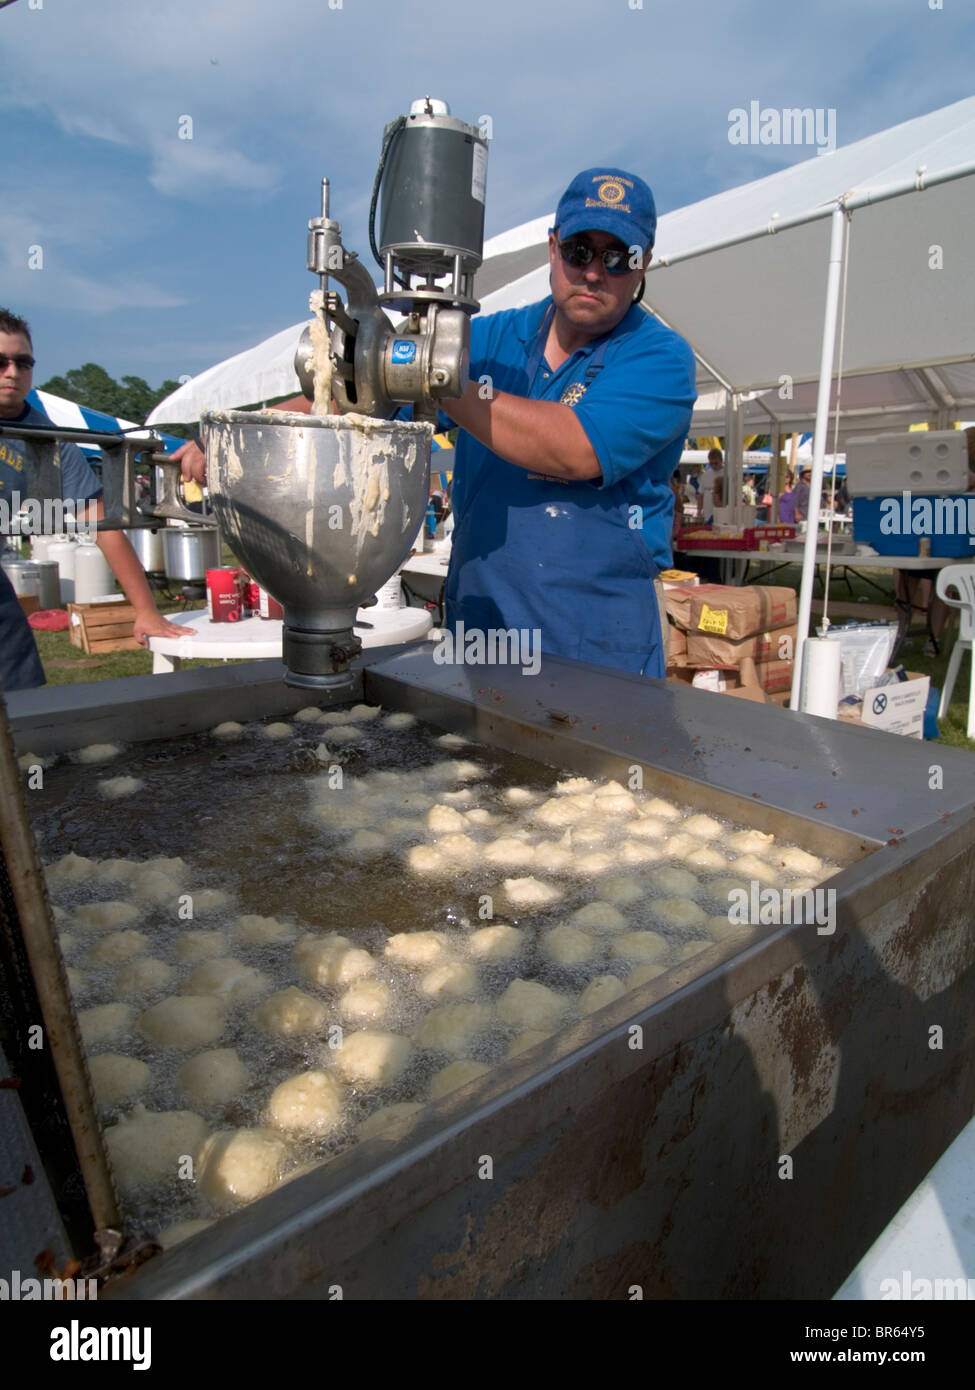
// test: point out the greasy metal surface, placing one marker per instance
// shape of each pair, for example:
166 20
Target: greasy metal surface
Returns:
31 966
658 1165
832 774
140 708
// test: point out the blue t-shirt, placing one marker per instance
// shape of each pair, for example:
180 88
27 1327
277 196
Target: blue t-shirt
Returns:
636 412
78 482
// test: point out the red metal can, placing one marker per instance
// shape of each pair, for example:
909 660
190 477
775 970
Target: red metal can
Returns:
270 608
225 595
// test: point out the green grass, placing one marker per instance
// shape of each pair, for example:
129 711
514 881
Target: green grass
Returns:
56 647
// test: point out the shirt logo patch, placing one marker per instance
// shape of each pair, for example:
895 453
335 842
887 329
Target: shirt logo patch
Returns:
572 394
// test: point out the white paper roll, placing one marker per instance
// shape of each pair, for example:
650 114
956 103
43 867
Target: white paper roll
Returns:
819 691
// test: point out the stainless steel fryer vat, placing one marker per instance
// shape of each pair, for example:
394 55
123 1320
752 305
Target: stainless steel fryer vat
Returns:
657 1167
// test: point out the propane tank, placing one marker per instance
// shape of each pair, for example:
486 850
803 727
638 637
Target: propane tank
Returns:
39 547
93 576
62 551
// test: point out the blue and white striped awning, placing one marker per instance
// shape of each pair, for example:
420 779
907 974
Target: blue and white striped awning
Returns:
70 416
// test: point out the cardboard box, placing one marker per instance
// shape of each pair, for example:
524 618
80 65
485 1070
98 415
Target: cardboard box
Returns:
680 672
778 644
722 610
678 600
897 708
749 692
29 603
730 681
676 642
771 676
103 627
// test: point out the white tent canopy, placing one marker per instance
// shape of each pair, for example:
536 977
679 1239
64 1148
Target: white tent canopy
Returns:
873 403
262 373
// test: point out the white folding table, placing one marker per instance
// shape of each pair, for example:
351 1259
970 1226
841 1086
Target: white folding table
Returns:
253 638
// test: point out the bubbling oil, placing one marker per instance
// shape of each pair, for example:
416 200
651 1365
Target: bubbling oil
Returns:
322 840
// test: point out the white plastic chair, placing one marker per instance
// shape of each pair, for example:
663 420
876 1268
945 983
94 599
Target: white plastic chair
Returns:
962 578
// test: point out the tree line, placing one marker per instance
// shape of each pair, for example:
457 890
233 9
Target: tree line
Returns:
128 399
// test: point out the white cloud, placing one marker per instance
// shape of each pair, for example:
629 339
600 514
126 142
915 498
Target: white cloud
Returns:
55 282
194 169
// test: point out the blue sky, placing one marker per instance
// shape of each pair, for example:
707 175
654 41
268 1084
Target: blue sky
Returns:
164 255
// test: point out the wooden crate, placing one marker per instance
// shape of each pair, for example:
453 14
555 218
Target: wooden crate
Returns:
103 627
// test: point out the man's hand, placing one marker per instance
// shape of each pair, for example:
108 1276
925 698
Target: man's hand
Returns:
151 623
192 461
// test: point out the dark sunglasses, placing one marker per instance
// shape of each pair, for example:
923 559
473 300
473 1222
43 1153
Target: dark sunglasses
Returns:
22 362
576 251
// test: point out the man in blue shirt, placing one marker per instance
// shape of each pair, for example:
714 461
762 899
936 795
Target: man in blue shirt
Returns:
20 666
572 423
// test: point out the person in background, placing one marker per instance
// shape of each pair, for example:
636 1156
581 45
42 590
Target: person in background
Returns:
787 503
20 665
711 485
764 496
693 484
748 491
802 494
677 488
681 561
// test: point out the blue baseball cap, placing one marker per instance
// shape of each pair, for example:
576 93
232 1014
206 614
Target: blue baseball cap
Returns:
608 200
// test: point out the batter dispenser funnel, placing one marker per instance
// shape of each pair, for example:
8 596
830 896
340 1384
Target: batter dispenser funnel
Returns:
321 510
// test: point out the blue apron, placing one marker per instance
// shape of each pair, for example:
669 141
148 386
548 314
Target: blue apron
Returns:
536 553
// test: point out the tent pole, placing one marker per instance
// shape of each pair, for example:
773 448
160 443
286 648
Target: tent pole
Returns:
837 241
775 454
733 443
